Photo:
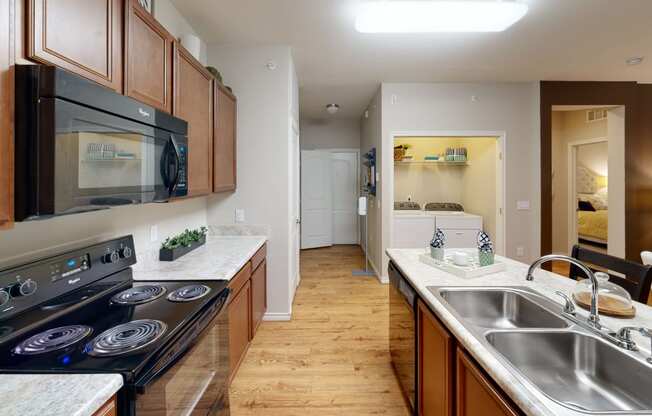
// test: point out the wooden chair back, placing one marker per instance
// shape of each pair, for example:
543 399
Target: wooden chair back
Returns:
637 280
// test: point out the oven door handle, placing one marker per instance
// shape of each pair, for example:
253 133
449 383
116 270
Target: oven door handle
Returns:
185 345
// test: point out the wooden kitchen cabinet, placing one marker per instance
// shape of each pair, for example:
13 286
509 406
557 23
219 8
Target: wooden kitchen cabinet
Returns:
193 102
436 364
7 35
148 58
239 325
81 36
225 142
476 395
258 296
109 408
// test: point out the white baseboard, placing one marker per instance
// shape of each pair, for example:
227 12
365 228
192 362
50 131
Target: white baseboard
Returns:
382 279
277 316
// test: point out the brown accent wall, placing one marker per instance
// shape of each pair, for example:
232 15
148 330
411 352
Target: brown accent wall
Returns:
637 99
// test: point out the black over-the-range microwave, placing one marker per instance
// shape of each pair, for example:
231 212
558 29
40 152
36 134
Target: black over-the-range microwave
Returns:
83 147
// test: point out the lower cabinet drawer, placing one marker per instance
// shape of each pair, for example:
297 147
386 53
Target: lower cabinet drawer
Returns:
456 238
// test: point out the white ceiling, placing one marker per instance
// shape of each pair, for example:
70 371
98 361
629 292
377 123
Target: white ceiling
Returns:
557 40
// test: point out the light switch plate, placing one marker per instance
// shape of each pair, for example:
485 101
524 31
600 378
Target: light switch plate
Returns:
523 205
520 251
239 215
153 233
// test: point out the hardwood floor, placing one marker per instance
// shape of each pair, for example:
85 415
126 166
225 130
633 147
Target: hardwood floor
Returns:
332 358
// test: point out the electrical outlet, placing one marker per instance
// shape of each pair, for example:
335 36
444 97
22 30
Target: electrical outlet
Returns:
153 233
523 205
520 251
239 215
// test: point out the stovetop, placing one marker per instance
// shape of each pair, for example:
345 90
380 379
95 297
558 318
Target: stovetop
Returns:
91 314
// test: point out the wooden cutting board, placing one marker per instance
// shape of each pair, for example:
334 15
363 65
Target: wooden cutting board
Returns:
607 305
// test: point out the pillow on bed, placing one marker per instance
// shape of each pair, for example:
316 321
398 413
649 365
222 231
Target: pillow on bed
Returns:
585 206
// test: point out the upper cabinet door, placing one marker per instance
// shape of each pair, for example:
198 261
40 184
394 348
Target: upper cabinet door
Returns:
82 36
225 149
148 58
193 102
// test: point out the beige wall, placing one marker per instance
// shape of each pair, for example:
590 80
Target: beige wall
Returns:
428 183
370 137
266 101
567 126
176 24
479 183
512 108
331 133
595 157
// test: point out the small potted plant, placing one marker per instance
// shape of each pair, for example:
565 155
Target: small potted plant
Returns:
437 245
182 244
486 256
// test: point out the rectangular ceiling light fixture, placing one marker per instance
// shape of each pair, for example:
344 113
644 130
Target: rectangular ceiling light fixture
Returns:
438 16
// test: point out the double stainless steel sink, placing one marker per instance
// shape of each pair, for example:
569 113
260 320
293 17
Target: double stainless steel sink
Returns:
550 353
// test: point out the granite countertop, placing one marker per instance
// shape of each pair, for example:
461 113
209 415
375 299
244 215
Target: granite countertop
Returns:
56 394
219 259
537 404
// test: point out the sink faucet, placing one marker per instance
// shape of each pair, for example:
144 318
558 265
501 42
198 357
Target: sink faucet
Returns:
594 317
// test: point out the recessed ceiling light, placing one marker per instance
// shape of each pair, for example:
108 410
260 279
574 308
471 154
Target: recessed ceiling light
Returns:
635 60
438 16
332 108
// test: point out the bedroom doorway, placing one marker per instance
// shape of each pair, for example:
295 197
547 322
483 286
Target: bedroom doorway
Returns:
588 179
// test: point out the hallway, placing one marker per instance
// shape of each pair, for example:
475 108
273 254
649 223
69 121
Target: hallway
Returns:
332 358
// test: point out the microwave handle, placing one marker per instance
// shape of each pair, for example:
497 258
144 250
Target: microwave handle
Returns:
177 164
189 342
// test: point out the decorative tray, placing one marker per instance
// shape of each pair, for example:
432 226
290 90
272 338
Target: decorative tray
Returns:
466 272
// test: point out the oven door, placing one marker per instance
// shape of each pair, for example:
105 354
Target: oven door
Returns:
97 160
191 378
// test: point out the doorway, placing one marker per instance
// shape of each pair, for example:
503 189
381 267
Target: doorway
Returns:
436 171
329 194
588 178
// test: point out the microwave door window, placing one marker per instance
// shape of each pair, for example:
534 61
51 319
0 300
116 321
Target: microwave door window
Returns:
104 163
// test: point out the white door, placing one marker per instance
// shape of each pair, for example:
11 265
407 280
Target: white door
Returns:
316 199
345 197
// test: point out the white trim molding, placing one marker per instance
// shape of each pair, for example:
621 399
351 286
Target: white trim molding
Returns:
277 316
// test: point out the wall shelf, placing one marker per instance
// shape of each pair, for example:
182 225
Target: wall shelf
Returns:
432 162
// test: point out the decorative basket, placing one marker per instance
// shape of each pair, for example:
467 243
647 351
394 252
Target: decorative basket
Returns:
485 258
399 153
437 253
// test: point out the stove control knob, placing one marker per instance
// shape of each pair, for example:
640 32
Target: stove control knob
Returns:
112 257
126 252
27 288
5 297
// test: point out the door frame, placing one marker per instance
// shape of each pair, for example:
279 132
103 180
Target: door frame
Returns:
573 237
638 149
356 151
501 203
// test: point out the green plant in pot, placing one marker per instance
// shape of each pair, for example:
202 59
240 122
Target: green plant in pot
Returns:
181 244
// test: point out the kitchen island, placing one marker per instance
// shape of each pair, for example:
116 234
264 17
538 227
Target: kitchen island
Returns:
523 398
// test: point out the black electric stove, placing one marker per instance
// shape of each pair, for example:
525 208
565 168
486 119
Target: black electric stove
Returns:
81 312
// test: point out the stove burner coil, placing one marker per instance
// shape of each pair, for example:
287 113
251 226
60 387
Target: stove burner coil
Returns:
189 293
53 339
126 338
138 295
